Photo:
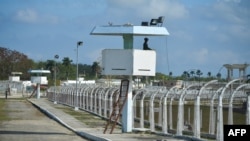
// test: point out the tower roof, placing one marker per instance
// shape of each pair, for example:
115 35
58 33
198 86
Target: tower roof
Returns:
39 71
120 30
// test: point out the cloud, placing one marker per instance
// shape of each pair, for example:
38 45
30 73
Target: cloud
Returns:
32 16
229 20
95 55
228 12
150 8
126 3
183 35
235 1
26 16
205 56
225 57
199 56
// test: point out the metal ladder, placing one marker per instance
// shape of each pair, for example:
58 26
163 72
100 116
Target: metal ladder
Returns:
118 106
34 92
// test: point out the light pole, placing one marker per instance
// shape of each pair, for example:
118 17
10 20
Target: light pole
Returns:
56 57
79 43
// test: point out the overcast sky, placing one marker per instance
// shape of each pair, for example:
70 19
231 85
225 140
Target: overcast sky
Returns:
204 34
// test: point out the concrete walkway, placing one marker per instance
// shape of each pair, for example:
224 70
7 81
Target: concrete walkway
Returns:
89 130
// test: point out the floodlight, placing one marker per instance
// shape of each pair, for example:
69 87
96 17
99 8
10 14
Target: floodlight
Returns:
56 56
144 23
79 43
153 21
160 20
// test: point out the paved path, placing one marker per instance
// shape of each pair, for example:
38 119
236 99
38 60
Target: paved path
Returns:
26 123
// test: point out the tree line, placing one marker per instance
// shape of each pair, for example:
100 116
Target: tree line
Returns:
14 61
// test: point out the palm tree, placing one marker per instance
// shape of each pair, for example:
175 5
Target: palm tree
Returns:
96 68
209 74
67 64
50 65
170 75
185 75
218 75
192 73
199 73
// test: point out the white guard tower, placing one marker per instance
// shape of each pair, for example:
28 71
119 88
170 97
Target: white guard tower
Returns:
37 76
129 61
15 76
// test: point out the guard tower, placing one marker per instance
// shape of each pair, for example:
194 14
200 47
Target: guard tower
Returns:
15 76
38 77
129 61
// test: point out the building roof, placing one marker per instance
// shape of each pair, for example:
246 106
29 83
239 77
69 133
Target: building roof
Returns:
39 71
16 73
236 66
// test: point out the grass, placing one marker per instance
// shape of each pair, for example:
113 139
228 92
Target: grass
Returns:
3 111
84 117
